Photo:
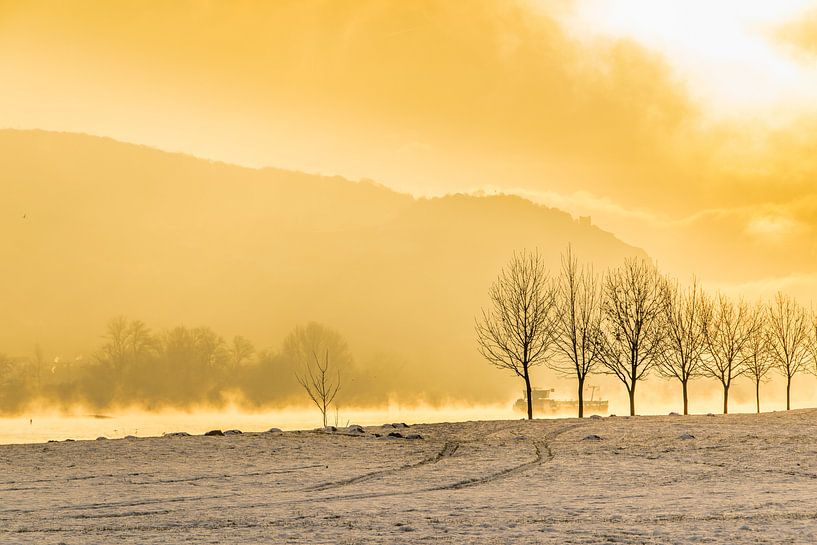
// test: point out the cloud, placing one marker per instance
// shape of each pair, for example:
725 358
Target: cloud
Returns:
433 97
799 35
773 227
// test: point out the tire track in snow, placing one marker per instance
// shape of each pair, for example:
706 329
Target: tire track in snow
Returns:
449 448
543 454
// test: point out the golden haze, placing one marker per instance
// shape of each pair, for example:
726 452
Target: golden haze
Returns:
428 98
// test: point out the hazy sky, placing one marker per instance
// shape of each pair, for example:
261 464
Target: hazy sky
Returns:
685 128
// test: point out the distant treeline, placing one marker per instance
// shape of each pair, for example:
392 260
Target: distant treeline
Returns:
184 367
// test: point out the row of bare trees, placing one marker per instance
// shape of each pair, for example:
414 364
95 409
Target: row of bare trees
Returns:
633 321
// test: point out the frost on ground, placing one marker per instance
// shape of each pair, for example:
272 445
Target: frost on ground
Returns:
673 479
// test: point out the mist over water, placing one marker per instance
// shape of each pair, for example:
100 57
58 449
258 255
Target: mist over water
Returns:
657 397
39 428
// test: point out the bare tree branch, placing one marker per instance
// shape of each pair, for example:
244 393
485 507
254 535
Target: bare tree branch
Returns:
788 338
578 322
516 333
685 340
320 384
758 360
728 329
633 322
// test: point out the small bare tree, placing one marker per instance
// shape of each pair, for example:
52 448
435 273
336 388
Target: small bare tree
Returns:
633 325
578 322
758 359
685 340
788 338
517 331
320 383
728 329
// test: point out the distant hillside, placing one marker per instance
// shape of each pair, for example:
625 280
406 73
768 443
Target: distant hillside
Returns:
94 228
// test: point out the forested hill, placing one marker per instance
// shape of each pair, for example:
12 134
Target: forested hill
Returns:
94 228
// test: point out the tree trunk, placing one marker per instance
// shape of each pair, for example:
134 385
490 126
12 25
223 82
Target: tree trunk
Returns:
725 399
757 395
686 397
632 399
788 392
581 397
528 394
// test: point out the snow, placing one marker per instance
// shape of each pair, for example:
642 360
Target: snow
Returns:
736 479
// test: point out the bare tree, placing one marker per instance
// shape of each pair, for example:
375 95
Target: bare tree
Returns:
685 339
241 350
516 333
813 342
578 322
635 296
758 360
320 383
788 338
728 329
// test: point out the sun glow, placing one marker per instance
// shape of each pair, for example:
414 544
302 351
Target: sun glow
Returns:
727 51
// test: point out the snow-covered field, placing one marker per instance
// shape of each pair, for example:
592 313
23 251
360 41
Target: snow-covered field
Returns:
671 479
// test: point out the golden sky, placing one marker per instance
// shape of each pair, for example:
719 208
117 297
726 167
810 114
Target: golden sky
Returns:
685 128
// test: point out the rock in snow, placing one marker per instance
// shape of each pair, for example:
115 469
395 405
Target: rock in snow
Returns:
233 432
274 430
686 436
214 433
396 434
591 437
174 434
